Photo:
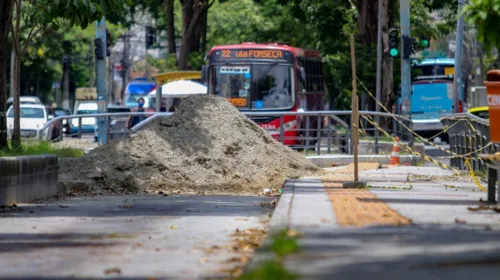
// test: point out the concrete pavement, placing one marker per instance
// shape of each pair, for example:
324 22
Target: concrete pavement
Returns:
445 240
125 237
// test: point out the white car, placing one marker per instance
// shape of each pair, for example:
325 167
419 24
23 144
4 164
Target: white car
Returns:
88 124
24 100
33 117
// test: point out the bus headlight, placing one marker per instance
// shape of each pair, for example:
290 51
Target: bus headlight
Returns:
289 125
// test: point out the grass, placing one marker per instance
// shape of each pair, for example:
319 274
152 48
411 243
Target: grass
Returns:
283 243
41 148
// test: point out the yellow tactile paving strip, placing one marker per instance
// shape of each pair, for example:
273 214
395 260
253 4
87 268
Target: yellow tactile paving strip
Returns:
360 207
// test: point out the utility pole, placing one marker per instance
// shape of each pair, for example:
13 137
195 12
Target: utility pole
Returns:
404 12
111 95
124 62
65 96
457 81
91 67
379 70
102 94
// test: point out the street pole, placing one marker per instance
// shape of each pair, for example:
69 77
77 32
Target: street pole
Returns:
457 81
404 7
124 62
66 68
379 70
404 13
91 66
102 94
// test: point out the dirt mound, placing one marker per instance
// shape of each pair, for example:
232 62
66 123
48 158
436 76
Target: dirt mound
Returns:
207 146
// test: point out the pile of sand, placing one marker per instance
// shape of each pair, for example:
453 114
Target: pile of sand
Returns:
207 147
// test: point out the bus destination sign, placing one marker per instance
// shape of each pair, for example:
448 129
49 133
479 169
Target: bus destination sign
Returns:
245 54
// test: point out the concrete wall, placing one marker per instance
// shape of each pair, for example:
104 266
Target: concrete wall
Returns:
27 178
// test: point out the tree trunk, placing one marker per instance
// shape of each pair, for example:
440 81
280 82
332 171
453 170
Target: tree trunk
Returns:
16 133
192 13
204 30
12 73
170 27
5 14
367 21
387 61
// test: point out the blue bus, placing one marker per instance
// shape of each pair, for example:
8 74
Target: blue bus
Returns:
432 94
136 89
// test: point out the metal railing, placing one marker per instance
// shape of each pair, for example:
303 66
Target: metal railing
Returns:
57 125
468 136
313 132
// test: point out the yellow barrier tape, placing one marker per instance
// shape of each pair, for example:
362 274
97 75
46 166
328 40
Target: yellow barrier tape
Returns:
471 171
414 133
408 149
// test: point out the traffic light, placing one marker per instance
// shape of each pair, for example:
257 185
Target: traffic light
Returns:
425 42
393 42
108 43
98 48
408 43
150 36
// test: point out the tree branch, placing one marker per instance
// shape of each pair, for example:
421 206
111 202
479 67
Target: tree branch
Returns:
210 4
29 38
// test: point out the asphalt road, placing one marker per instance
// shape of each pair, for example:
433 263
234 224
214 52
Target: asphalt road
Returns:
125 237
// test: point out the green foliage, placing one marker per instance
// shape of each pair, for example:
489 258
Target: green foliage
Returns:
269 270
196 60
78 12
284 244
485 16
42 148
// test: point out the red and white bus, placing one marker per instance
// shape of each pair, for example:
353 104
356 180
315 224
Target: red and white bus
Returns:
269 77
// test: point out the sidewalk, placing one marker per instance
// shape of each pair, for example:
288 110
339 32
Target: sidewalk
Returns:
443 239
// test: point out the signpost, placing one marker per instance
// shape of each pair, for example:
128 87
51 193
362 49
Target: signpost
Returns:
102 93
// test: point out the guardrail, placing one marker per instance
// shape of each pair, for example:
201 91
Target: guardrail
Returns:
319 132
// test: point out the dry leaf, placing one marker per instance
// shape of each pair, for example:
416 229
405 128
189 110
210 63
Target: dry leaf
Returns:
113 270
127 206
174 227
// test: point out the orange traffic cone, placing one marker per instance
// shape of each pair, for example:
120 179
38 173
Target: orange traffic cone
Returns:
395 160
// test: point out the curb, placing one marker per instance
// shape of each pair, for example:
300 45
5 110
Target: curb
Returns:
280 220
332 160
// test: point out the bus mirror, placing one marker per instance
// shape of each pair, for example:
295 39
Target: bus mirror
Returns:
204 73
302 74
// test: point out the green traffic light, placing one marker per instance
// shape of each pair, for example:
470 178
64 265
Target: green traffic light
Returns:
424 43
394 52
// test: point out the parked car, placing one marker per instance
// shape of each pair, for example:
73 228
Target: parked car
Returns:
118 126
24 100
88 124
57 112
33 117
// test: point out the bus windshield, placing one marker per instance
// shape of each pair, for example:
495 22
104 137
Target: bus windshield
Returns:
256 87
435 71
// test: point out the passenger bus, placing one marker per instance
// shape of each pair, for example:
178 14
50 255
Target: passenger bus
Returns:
260 77
432 94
